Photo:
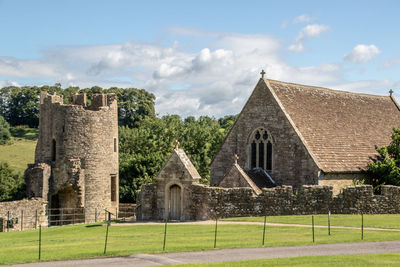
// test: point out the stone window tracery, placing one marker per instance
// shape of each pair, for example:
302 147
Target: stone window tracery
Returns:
260 149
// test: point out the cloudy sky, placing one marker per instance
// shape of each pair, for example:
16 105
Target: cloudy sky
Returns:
201 57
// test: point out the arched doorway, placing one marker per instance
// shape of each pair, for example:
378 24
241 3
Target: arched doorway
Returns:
175 202
64 208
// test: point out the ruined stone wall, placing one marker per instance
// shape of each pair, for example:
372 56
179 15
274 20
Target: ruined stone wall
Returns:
210 202
291 162
80 143
30 213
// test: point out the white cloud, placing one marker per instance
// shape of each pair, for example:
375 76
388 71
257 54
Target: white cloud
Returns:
215 79
304 18
8 83
362 53
309 31
296 47
391 62
376 87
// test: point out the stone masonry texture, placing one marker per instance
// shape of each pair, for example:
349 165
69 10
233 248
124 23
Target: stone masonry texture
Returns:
210 202
291 163
76 157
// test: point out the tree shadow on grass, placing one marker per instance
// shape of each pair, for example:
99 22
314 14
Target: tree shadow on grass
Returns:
23 132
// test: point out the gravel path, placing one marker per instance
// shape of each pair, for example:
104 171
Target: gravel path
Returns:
252 223
230 255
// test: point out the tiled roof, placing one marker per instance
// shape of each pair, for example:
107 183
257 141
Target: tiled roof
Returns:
340 129
261 178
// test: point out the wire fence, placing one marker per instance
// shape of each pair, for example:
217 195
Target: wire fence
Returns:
220 233
12 220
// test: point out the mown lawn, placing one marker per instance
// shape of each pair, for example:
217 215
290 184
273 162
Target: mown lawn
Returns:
389 221
317 261
22 150
82 241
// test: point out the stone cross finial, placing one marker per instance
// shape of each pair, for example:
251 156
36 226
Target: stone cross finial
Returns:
236 157
176 144
262 74
391 92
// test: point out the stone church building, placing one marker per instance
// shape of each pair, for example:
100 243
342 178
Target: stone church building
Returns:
286 135
304 135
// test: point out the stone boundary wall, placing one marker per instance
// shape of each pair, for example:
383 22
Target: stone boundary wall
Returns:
23 214
210 202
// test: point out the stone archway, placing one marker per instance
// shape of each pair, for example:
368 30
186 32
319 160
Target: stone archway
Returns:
64 207
175 202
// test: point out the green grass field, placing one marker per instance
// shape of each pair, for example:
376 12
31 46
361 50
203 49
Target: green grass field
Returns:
82 241
389 221
318 261
22 150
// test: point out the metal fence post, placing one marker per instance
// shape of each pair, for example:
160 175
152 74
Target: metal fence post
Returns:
165 233
108 225
49 214
265 221
362 226
8 220
215 235
95 215
40 240
36 219
22 220
329 223
313 238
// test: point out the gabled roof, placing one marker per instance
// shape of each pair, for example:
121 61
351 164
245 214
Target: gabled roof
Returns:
341 129
261 178
241 177
178 164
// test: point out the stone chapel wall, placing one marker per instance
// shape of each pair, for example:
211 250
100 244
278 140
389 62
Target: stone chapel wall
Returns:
210 202
291 162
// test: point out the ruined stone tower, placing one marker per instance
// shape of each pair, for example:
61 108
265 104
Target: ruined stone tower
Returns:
76 157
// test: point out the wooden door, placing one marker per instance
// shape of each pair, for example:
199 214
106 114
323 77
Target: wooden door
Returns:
175 203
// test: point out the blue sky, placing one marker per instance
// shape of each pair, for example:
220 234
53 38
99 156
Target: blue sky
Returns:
201 57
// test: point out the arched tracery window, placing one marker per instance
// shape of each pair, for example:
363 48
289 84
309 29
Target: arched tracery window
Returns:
260 149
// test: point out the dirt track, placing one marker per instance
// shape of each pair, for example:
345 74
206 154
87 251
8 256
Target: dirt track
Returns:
230 255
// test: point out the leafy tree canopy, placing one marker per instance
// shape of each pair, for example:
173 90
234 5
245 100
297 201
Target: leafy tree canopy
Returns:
143 150
386 168
11 183
5 135
20 105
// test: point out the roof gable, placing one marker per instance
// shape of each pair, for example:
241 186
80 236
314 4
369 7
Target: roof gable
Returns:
237 177
179 166
341 129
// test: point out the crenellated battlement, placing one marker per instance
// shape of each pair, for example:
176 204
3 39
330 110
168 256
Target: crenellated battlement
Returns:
48 98
98 101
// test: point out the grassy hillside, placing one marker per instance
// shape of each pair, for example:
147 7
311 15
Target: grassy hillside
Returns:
22 150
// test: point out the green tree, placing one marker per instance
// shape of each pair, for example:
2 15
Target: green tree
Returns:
11 183
5 135
144 150
386 168
133 105
227 121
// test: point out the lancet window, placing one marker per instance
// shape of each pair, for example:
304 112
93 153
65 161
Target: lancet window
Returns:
260 149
